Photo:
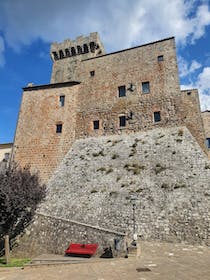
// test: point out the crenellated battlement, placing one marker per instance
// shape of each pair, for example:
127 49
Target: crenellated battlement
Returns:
67 55
89 46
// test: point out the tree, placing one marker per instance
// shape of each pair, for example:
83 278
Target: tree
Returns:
20 194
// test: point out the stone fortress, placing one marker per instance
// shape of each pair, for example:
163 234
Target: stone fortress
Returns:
94 94
109 127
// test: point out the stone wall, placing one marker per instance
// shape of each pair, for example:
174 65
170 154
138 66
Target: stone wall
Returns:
164 169
52 235
36 140
206 121
99 97
67 56
192 115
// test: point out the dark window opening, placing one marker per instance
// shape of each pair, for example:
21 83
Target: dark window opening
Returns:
189 93
145 87
85 48
208 143
55 55
73 51
96 124
92 47
79 49
122 121
157 117
92 73
59 128
67 52
61 54
160 58
122 91
62 100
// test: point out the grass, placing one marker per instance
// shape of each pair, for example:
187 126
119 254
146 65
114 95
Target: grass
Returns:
13 262
135 168
159 168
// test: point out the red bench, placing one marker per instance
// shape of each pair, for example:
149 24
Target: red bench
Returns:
84 250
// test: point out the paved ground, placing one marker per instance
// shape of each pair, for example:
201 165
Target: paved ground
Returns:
165 262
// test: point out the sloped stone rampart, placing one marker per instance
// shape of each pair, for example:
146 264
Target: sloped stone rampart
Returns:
165 170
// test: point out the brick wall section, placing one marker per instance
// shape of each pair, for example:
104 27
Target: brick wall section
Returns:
36 140
206 122
192 115
99 100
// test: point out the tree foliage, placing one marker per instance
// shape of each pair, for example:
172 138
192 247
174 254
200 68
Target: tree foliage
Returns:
20 194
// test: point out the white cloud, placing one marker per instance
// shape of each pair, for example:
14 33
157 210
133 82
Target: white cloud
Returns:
203 85
120 23
2 48
186 68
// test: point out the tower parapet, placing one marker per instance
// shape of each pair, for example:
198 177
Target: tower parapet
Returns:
70 52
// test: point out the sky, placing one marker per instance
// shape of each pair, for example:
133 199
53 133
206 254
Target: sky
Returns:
28 27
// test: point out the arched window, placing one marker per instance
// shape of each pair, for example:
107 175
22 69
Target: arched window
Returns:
92 47
67 52
79 50
55 55
73 51
61 54
85 48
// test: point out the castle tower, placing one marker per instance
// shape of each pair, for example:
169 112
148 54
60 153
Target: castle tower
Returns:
68 54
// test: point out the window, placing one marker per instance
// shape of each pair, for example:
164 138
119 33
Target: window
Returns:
122 91
62 100
145 87
157 117
92 73
160 58
208 143
189 93
122 120
59 128
96 124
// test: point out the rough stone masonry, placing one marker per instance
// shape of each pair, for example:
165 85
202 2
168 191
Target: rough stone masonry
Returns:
89 196
109 127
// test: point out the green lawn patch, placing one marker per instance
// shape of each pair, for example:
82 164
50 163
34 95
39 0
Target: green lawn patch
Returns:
14 262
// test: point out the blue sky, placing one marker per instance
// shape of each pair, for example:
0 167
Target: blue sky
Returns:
27 28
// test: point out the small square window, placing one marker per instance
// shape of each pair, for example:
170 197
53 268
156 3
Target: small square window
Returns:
122 91
160 58
96 124
122 120
59 128
62 100
157 117
145 87
92 73
189 93
208 143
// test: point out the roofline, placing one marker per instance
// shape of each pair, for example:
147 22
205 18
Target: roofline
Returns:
189 89
6 145
55 85
206 111
124 50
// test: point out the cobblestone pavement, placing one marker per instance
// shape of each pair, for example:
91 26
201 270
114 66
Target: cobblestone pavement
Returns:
163 261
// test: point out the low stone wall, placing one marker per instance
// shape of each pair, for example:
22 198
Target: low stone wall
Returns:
50 235
164 170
